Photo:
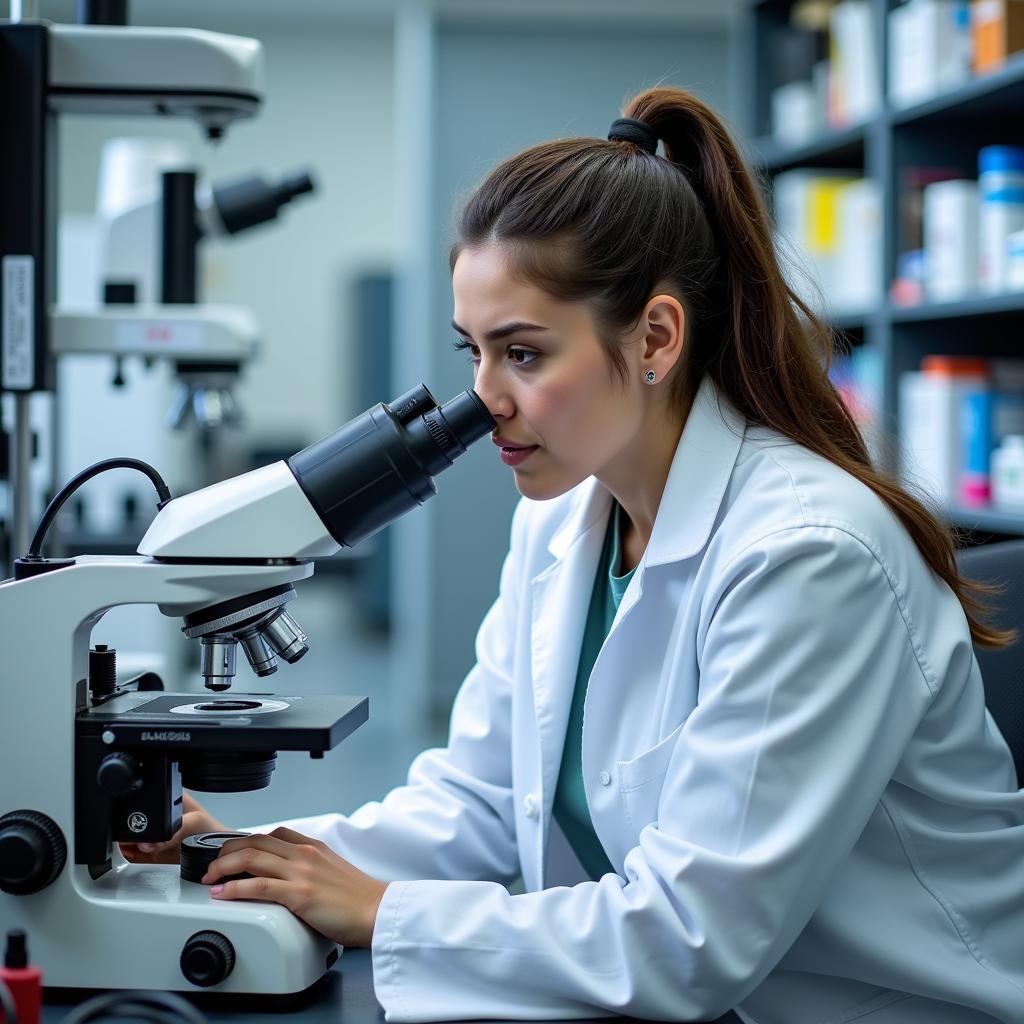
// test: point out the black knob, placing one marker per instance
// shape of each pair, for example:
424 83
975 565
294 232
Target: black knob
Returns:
207 959
32 852
102 671
119 774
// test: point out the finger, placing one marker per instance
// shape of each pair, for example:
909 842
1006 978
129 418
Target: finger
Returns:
293 895
173 843
252 861
270 844
291 836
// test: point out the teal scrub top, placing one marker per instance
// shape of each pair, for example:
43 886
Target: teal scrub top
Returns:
570 805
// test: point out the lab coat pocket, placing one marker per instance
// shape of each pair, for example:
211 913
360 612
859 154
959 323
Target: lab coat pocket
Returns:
641 780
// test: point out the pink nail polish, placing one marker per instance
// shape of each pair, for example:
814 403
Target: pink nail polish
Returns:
216 890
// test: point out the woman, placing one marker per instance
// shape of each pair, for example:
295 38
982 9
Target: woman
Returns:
728 678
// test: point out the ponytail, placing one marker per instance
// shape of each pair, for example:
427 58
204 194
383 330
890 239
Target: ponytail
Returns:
629 222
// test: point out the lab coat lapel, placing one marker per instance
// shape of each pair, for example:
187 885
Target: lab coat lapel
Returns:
629 677
560 601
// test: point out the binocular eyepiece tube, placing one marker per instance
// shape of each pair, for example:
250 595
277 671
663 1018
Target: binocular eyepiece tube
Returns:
358 480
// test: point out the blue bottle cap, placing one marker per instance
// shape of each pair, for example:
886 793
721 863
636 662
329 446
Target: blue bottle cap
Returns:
1000 158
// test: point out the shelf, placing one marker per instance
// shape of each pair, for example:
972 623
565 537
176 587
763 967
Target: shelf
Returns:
943 131
996 94
849 320
834 149
988 520
980 305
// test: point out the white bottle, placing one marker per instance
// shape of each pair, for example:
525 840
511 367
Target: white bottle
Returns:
951 239
930 438
1008 474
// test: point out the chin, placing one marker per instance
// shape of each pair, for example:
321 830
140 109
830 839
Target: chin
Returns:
544 489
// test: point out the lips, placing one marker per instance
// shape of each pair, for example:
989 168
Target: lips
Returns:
510 445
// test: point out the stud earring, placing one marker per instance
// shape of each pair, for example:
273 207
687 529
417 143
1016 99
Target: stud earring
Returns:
650 376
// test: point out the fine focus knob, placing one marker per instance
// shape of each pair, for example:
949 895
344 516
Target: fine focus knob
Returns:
207 959
32 852
119 774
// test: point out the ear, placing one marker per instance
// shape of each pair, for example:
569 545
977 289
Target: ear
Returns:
662 328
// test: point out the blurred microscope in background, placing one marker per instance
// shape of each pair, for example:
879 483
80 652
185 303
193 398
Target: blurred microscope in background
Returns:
124 284
174 360
105 344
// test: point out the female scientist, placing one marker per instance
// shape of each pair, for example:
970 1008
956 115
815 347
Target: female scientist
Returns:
725 720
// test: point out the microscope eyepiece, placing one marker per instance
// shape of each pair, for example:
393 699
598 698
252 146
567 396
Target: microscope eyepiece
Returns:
382 464
468 417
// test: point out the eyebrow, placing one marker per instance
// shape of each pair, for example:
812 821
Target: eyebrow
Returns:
497 333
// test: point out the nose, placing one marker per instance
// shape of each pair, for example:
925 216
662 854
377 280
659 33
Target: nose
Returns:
490 388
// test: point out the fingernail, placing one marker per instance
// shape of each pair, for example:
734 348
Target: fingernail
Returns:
147 847
216 890
205 877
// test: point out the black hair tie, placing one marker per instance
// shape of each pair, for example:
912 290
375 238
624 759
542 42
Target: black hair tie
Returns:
629 129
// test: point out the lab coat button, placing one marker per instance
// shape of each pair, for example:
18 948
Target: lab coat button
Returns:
530 806
604 778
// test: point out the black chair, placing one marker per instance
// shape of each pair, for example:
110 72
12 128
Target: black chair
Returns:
1003 670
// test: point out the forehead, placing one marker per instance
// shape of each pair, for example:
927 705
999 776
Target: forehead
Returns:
483 285
487 294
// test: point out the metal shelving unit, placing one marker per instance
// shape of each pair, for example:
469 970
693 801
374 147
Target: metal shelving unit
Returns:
947 129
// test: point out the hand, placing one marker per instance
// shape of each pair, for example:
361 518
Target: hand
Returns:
304 875
194 819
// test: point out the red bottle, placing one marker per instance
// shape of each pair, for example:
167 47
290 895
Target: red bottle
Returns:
25 983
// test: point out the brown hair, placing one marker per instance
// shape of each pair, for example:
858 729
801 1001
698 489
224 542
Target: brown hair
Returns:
611 224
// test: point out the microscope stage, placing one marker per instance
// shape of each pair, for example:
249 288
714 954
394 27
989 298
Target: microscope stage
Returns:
239 721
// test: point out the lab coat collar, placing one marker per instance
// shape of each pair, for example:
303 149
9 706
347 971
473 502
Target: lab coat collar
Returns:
700 472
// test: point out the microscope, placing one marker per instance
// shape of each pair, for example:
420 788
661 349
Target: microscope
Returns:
86 763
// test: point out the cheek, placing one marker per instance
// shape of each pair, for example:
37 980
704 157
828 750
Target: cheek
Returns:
585 403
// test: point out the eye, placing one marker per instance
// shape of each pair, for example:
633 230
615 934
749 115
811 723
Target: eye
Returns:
522 356
463 346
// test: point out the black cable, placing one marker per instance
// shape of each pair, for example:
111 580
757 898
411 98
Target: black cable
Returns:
36 547
7 1003
158 1007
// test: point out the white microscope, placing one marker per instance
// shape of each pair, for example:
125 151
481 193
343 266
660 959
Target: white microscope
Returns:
85 763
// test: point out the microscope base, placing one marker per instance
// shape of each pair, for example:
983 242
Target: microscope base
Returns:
128 929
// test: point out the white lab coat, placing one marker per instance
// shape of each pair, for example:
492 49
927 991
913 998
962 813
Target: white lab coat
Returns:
787 757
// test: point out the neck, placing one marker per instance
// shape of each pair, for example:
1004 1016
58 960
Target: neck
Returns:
637 479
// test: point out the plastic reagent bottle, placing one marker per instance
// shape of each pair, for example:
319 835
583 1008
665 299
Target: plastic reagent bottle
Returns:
25 982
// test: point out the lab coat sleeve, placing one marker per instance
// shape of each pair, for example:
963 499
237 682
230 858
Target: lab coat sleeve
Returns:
810 687
454 816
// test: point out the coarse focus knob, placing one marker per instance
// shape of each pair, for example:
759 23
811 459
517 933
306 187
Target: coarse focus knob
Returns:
32 852
119 774
207 959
